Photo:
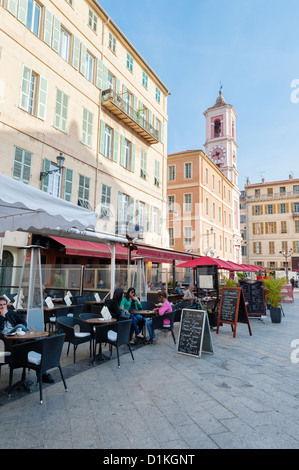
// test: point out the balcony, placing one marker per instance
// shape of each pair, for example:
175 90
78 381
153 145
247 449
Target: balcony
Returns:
295 215
118 106
129 230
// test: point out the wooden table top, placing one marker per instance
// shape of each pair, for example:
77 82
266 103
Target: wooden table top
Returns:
94 302
28 335
143 312
100 321
56 307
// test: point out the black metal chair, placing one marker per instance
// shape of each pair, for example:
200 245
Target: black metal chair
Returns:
5 353
148 305
68 325
75 310
40 355
158 323
118 334
51 316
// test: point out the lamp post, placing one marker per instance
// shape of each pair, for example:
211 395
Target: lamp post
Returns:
60 162
286 255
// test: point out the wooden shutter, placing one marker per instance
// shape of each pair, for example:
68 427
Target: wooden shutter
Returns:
25 88
42 98
56 35
68 184
48 27
45 182
76 53
253 229
115 145
22 11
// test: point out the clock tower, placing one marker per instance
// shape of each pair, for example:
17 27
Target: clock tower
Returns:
221 145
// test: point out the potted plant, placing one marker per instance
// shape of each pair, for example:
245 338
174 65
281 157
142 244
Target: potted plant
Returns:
274 296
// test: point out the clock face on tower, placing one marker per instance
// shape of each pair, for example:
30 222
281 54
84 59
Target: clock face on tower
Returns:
217 154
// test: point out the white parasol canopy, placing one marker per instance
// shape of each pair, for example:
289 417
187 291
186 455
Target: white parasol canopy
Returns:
25 208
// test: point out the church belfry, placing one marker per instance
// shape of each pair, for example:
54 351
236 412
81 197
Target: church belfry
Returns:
221 145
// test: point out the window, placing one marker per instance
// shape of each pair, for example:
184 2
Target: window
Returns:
271 248
171 173
105 201
158 95
187 170
87 128
257 210
282 190
257 248
170 204
297 226
155 226
22 165
129 62
33 97
258 228
110 81
269 191
187 236
257 192
92 20
54 182
270 227
187 203
89 67
144 79
243 219
61 109
171 236
244 250
207 206
296 247
283 209
108 142
296 207
270 209
64 50
33 16
143 165
127 154
207 176
284 246
112 43
140 214
157 174
83 192
296 189
283 226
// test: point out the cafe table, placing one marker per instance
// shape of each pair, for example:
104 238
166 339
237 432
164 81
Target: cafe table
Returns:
97 322
144 313
28 336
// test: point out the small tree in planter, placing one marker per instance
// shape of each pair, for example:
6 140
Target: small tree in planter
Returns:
274 296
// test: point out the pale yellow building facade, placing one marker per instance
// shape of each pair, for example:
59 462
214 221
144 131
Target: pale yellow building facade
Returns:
72 83
270 220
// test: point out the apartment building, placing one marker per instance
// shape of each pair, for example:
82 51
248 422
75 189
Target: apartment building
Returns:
73 86
271 222
203 193
200 206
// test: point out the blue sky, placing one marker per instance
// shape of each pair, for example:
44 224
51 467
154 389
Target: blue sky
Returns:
251 46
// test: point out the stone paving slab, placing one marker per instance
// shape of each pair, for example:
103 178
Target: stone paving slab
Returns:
245 396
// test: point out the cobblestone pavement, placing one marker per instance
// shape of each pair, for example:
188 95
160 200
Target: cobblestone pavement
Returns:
245 396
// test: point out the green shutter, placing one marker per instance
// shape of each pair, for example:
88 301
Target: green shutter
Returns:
133 158
42 98
115 145
56 34
22 11
65 102
105 78
76 53
83 59
25 88
68 184
162 133
131 210
12 6
26 167
99 81
48 27
119 207
122 150
17 164
117 85
102 137
45 182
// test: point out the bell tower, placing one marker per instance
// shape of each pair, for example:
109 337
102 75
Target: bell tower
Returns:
221 145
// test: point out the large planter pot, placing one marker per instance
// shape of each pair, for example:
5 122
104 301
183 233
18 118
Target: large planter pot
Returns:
275 314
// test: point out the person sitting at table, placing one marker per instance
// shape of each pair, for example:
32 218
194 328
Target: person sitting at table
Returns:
117 309
10 321
188 299
166 308
178 289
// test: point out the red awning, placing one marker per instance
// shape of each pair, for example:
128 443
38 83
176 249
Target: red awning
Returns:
100 250
205 261
91 249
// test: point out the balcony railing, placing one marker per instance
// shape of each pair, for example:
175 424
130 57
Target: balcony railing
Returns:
263 197
119 106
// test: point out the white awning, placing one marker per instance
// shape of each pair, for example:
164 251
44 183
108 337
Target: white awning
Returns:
25 208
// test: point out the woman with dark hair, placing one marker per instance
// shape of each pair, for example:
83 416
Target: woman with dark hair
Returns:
117 310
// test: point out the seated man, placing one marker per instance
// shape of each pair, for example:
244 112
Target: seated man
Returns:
10 321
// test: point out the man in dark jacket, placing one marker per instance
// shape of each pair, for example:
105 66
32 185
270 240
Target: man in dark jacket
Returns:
10 321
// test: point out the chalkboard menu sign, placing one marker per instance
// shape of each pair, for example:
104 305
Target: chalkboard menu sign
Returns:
195 334
254 297
232 308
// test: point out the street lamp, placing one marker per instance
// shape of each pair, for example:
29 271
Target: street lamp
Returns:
286 255
60 162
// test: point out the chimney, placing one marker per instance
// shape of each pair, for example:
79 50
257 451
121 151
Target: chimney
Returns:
290 177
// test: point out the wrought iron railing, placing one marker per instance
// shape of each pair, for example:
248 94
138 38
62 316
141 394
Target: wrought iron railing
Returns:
121 103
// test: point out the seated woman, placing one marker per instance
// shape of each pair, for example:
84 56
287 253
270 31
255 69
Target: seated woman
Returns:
178 289
116 307
166 308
